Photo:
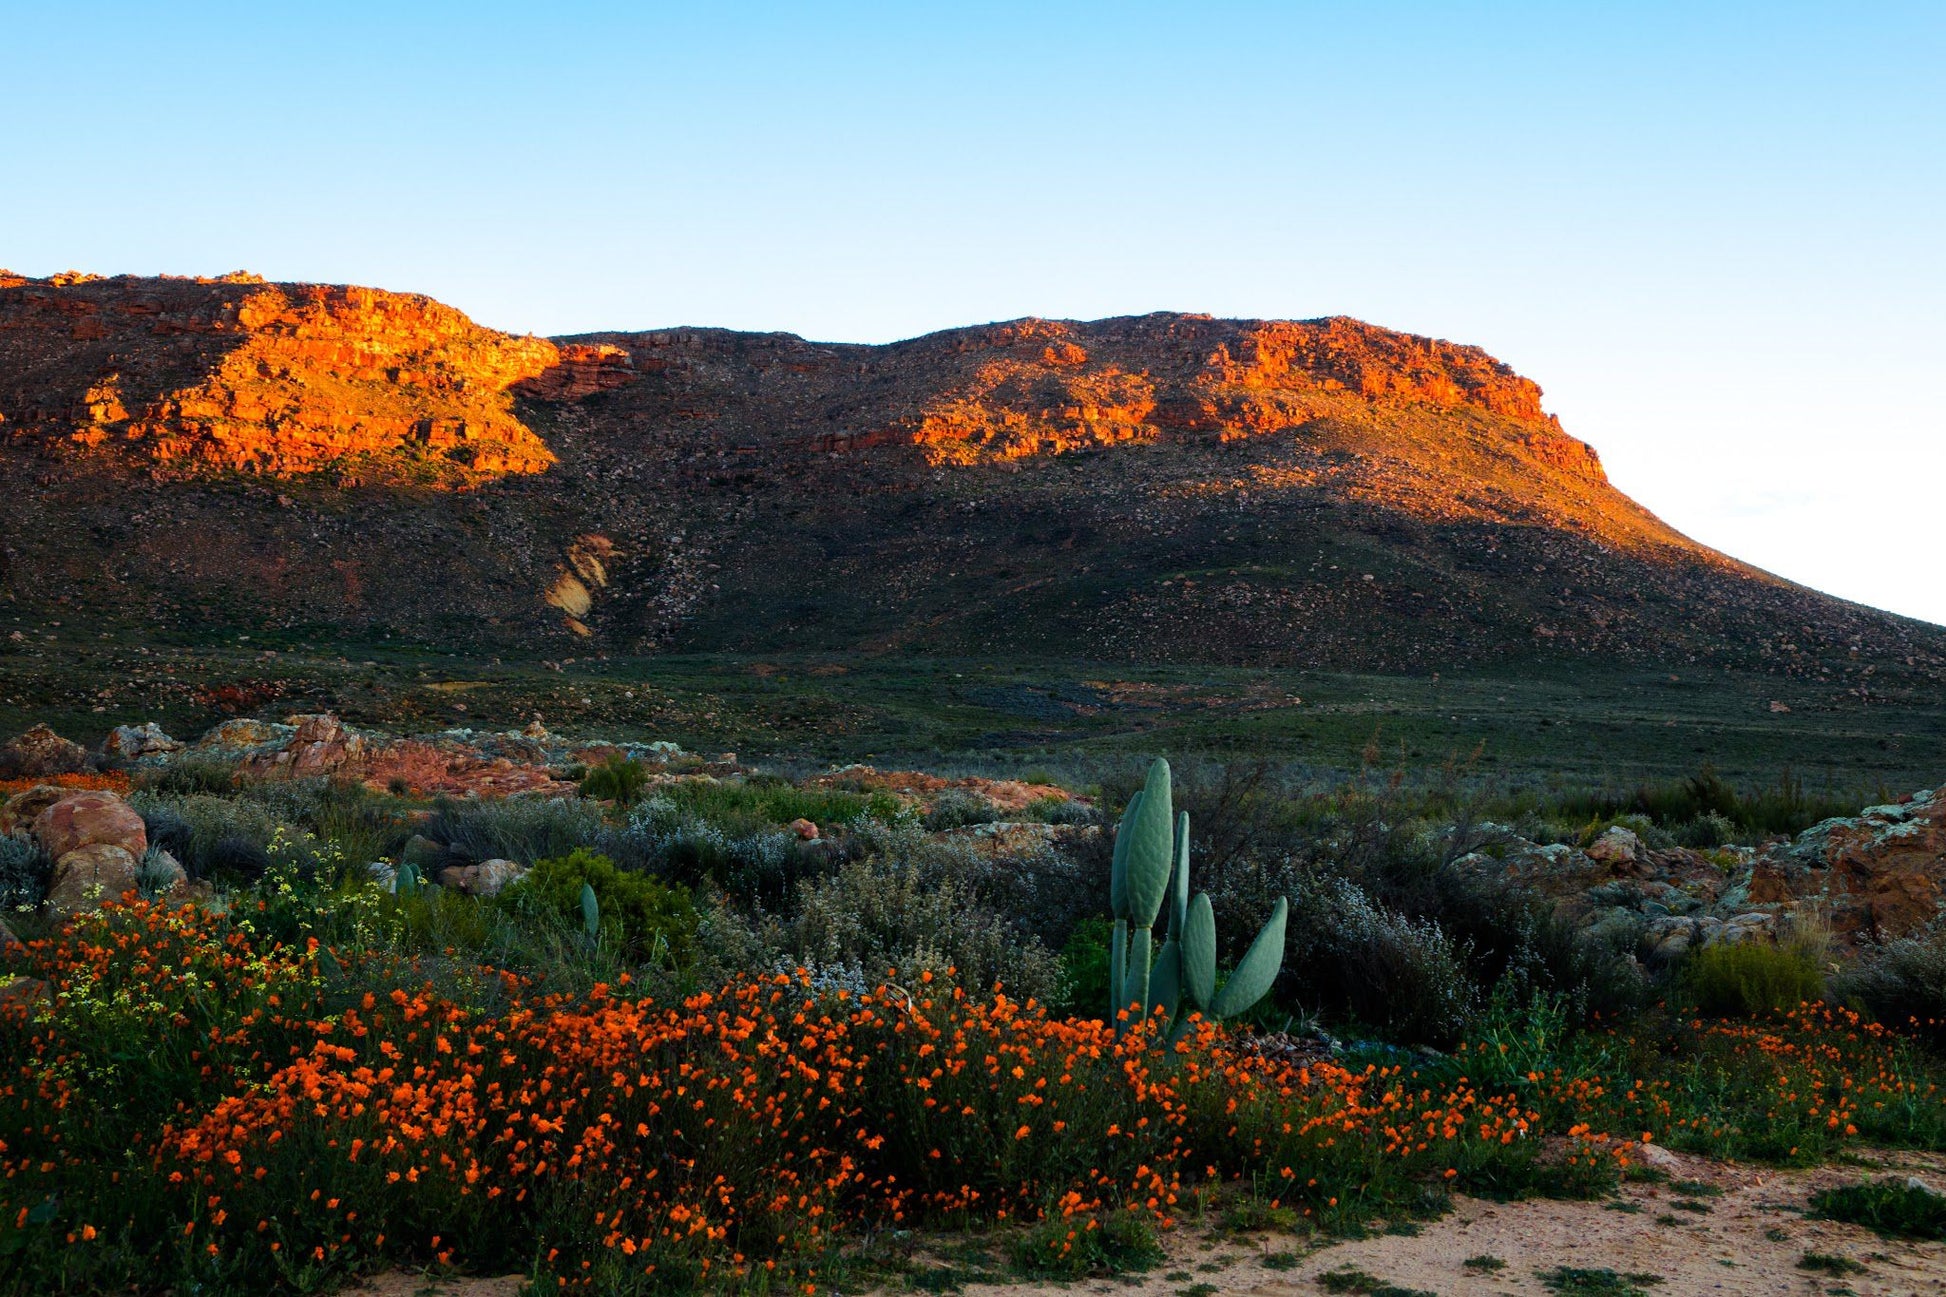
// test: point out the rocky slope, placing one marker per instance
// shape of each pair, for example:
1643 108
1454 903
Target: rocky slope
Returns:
341 463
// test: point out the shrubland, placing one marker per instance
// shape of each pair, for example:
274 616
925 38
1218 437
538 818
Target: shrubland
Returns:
692 1047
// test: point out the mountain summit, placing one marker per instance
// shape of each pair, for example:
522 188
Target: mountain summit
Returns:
1166 487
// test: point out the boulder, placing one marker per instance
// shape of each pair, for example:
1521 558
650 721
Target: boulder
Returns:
1876 876
8 941
40 751
1618 848
131 743
483 879
18 813
89 875
805 830
90 819
319 745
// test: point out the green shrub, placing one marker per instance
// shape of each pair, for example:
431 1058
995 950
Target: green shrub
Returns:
619 779
1073 1246
1751 978
218 838
188 776
24 872
1903 983
956 809
776 802
651 921
521 829
1085 966
1901 1208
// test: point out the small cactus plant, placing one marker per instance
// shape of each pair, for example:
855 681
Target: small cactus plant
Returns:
590 912
1151 866
406 883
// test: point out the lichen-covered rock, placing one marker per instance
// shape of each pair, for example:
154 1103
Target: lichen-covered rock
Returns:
319 745
89 875
90 819
40 752
1878 876
18 813
132 743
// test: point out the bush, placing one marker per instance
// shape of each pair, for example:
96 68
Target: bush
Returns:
1902 983
25 872
218 838
1752 978
956 809
651 921
882 913
1900 1208
618 779
775 802
1085 966
188 776
1403 975
521 829
1067 1244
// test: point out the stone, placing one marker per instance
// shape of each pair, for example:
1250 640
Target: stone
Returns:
40 751
90 875
1659 1158
320 745
804 829
1618 846
90 819
8 941
18 813
421 852
130 743
484 879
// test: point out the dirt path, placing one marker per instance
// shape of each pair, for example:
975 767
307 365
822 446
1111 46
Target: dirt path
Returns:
1744 1240
1748 1241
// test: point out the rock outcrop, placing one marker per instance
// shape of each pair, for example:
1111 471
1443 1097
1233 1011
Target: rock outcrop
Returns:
201 376
90 819
40 752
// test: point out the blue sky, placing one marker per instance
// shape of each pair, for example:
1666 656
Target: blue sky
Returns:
1715 234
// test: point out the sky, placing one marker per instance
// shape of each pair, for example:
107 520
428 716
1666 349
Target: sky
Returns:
1714 233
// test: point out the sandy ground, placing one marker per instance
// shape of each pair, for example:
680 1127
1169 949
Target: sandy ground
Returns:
1749 1242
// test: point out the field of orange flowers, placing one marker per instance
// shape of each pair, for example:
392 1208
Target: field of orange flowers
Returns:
193 1104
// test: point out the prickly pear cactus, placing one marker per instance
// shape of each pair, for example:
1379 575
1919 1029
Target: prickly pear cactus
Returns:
1151 866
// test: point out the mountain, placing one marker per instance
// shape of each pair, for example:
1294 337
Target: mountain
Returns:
204 456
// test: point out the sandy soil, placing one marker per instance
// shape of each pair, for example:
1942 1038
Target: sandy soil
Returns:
1749 1242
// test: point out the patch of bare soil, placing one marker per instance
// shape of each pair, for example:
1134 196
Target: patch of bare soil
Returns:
1747 1237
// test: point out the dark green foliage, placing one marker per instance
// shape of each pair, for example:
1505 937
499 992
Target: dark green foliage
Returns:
649 920
187 775
523 830
1579 1282
1700 808
1121 1242
1829 1263
775 801
24 872
619 779
1899 1208
1902 983
956 808
1751 978
1484 1263
1084 965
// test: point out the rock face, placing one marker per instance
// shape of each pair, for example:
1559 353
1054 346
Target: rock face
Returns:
39 752
1318 493
319 745
200 376
90 819
133 743
18 813
1878 876
1871 878
484 879
89 875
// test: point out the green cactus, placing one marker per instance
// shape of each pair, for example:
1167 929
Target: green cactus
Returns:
590 912
406 882
1151 865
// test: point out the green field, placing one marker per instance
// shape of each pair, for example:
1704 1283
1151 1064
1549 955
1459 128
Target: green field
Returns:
1556 725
